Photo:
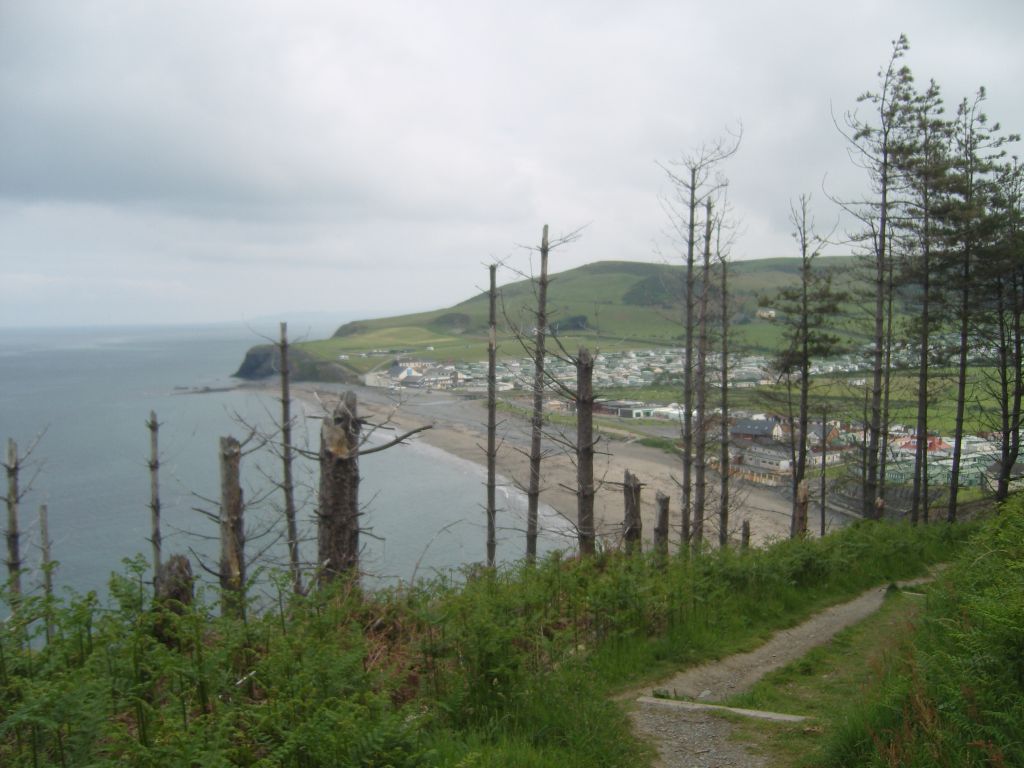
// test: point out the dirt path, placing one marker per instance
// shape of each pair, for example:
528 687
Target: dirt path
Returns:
696 739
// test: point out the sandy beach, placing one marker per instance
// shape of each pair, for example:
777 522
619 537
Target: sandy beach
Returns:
458 426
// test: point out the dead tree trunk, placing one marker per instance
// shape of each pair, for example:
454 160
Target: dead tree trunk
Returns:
700 390
176 583
492 417
13 466
537 424
154 494
44 537
661 525
824 466
338 528
585 451
799 520
691 225
232 531
174 593
723 461
287 481
633 524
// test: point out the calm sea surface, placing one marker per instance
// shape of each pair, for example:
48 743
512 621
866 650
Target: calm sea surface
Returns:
83 397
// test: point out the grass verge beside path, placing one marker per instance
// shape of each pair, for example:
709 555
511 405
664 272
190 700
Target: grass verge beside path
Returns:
933 679
826 683
493 668
955 696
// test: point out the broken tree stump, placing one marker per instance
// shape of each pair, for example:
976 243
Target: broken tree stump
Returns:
799 522
633 525
172 596
175 583
338 512
661 525
232 530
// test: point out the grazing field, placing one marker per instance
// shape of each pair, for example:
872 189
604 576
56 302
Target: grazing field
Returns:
608 305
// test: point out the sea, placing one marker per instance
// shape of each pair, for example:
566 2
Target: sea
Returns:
77 401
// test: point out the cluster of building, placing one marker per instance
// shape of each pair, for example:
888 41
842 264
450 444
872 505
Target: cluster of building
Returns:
764 455
760 446
614 369
635 368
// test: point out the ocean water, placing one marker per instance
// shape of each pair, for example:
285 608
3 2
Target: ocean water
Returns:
81 397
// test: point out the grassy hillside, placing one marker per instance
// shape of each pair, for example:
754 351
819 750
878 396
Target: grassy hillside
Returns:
607 305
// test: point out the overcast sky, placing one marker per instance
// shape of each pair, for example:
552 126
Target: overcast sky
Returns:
196 161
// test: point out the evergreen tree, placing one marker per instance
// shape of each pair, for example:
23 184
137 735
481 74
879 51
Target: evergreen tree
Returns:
874 147
924 164
977 148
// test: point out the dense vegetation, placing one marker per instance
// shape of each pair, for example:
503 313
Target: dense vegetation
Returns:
499 668
957 697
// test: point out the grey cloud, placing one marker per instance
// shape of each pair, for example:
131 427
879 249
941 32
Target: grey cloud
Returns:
414 141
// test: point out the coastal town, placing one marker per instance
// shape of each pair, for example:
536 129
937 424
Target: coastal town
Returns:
760 444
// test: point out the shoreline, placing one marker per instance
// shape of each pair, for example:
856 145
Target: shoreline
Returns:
459 429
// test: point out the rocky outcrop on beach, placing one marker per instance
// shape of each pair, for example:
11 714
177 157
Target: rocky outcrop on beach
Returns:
264 361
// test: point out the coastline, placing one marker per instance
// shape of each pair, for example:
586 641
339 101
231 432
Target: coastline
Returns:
458 427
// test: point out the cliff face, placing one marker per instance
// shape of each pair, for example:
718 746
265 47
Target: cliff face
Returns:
259 363
264 361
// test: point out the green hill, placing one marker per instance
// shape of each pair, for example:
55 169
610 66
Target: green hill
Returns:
607 305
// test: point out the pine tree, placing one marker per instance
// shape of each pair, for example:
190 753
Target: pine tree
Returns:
874 146
977 148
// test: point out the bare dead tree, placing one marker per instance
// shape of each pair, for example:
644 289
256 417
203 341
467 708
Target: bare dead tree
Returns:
44 543
13 467
232 530
492 414
537 421
287 458
585 451
700 387
723 461
17 488
534 344
806 310
692 184
154 493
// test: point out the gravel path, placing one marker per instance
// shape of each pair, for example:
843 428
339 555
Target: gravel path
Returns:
687 739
